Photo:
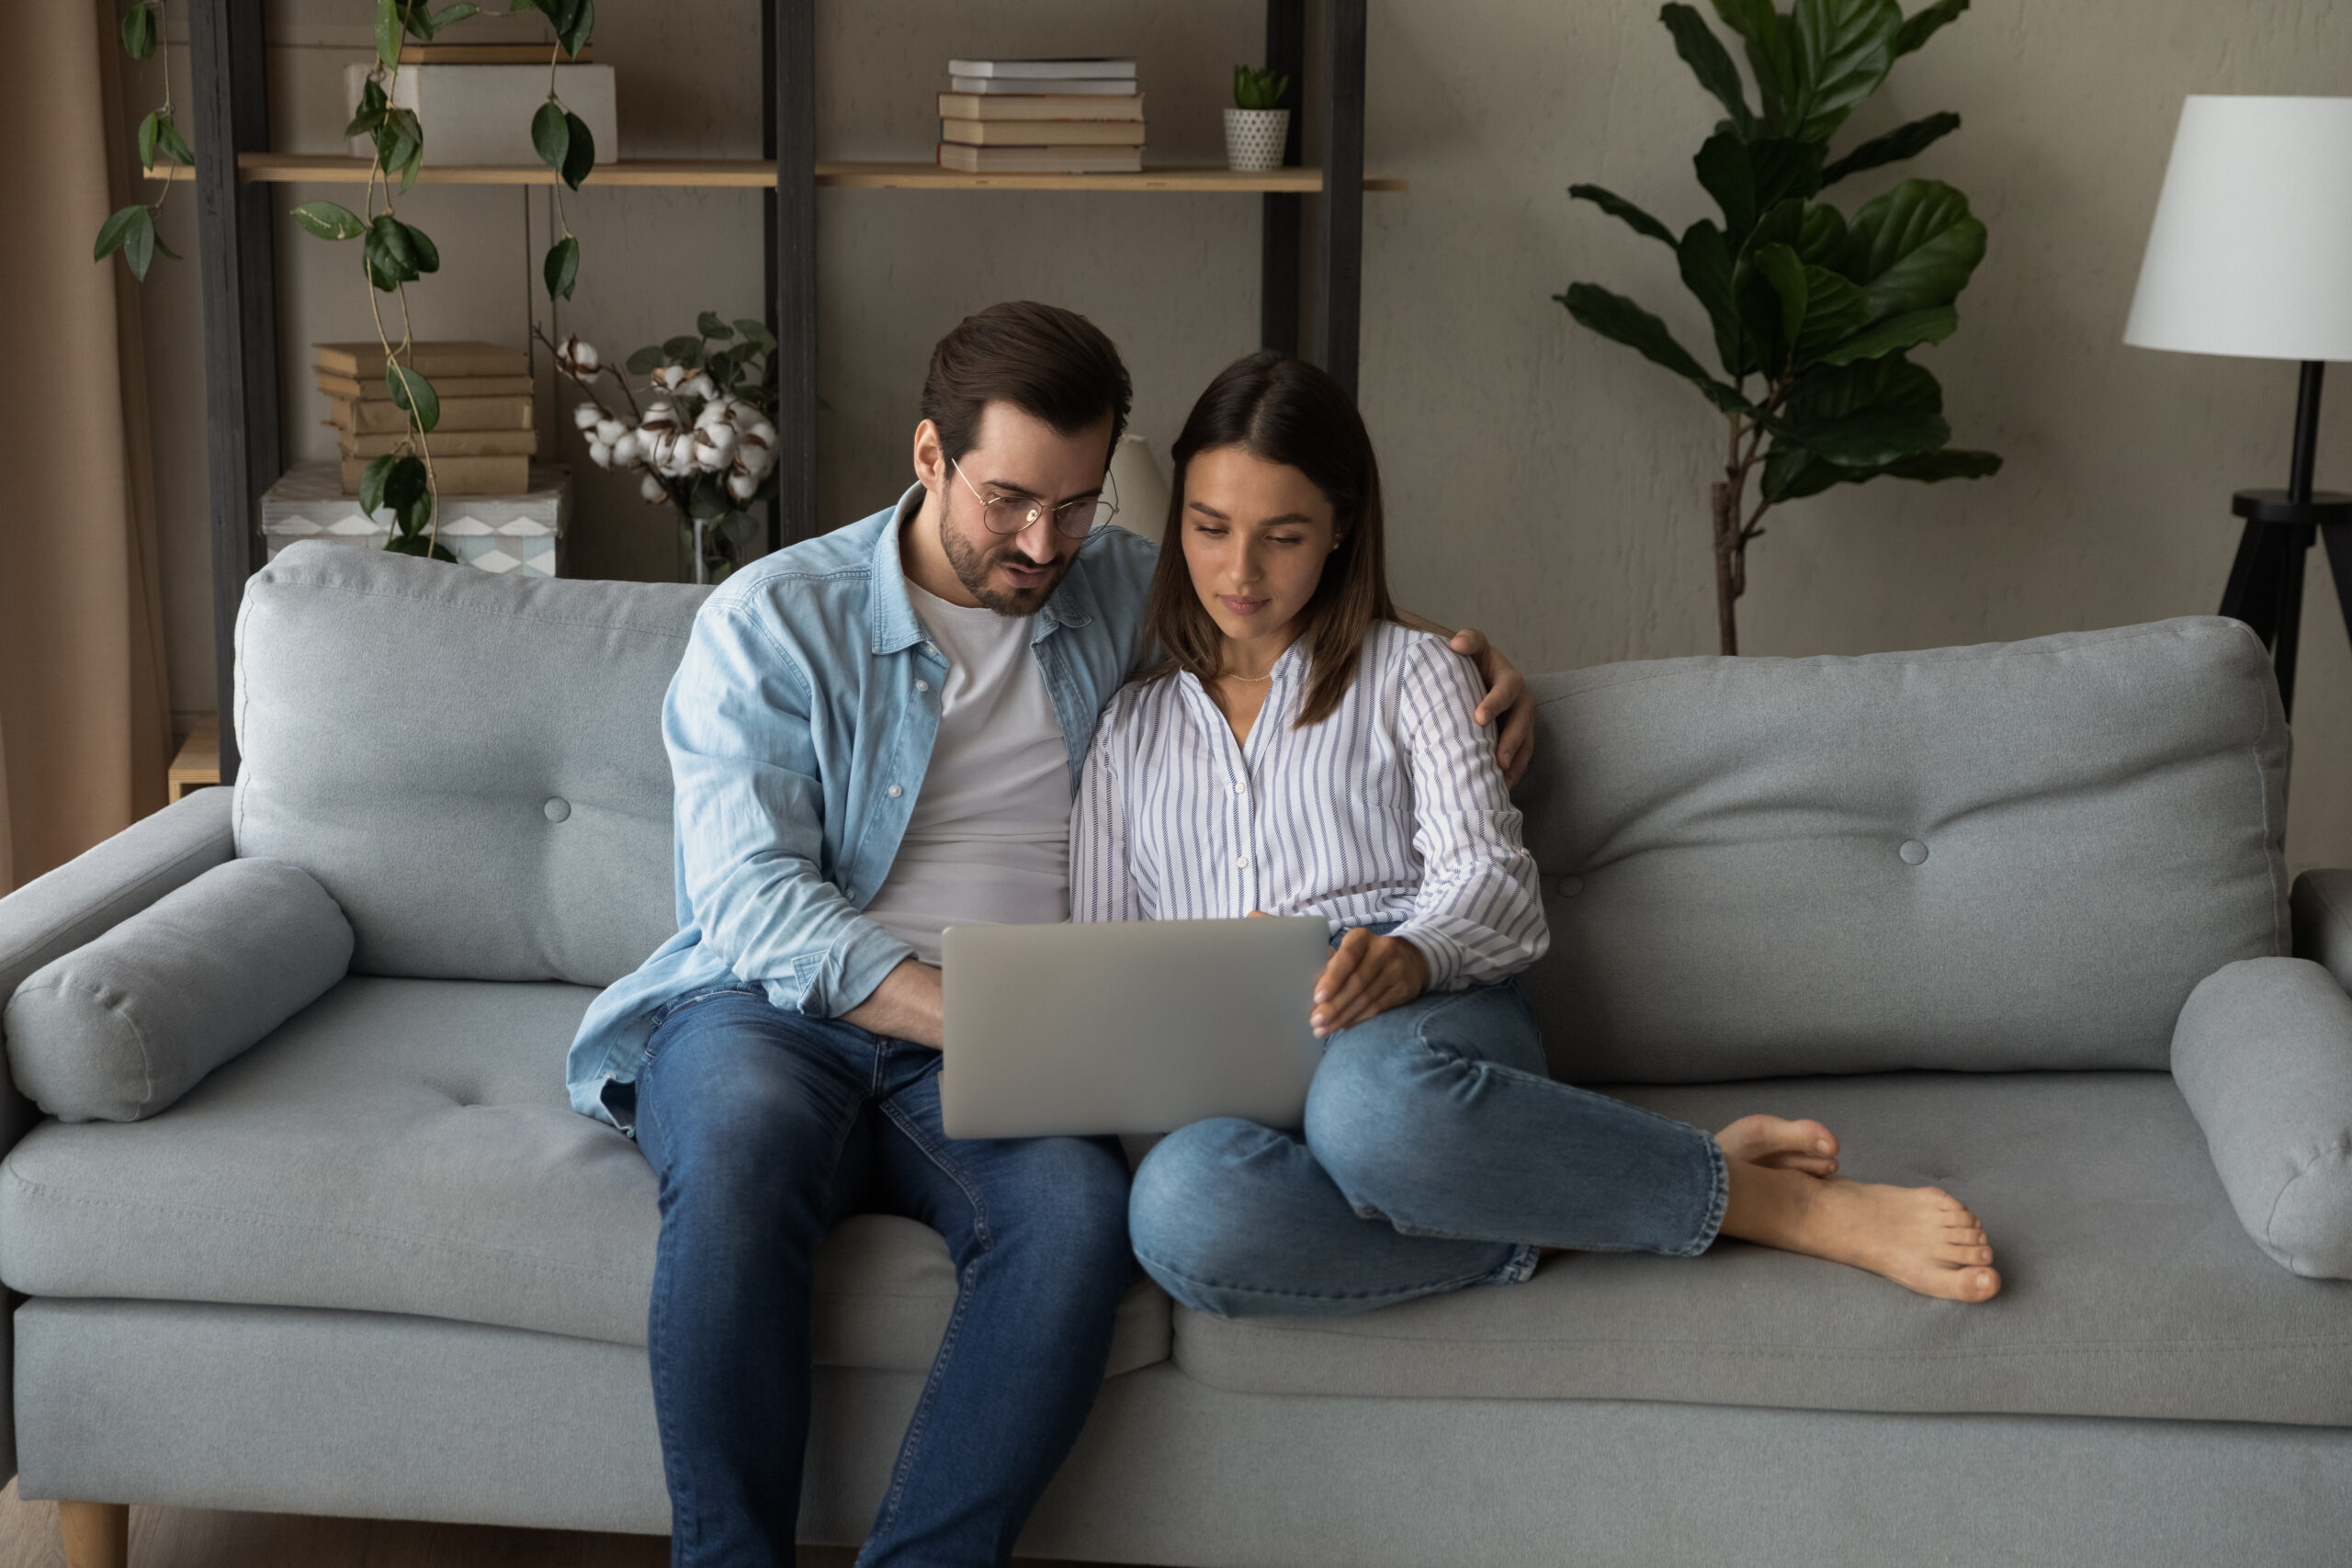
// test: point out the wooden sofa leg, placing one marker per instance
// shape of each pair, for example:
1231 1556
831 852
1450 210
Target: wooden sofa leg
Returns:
98 1535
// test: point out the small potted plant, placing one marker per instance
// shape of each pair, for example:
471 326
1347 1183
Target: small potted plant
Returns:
1255 128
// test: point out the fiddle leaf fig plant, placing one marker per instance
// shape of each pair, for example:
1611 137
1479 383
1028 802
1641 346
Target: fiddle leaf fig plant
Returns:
1813 313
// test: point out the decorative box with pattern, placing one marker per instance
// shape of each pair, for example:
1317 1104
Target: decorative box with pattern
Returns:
495 533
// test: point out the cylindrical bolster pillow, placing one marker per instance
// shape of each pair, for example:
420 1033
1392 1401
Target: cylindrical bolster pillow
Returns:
2263 1054
121 1027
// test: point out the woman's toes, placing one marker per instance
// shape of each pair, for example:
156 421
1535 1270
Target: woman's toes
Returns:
1960 1257
1978 1284
1781 1144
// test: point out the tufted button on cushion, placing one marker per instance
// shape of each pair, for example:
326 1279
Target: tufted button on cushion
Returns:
1913 851
557 809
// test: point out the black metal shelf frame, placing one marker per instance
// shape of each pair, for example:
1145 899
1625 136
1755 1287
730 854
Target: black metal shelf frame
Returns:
237 268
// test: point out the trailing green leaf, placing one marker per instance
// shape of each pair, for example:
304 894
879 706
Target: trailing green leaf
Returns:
1711 63
575 24
370 113
390 258
146 139
329 220
578 151
174 145
446 17
139 241
1620 320
371 482
756 334
1618 206
1902 142
709 324
683 350
413 393
427 255
139 31
551 135
562 269
388 32
645 361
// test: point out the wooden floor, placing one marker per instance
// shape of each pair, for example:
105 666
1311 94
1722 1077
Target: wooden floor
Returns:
202 1538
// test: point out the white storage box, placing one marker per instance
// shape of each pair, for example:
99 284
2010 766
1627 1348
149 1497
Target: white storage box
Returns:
521 534
481 114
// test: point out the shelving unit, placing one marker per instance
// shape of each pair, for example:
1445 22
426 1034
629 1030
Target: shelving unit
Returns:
745 173
238 272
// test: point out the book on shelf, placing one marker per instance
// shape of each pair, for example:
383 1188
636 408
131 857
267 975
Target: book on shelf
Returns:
372 416
1078 68
1042 133
1057 86
371 389
445 442
431 360
460 476
1041 159
1030 106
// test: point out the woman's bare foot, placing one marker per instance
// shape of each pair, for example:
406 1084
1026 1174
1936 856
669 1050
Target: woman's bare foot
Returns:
1921 1237
1781 1144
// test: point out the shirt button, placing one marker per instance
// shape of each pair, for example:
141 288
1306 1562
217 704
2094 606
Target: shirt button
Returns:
896 791
1242 788
923 685
1242 862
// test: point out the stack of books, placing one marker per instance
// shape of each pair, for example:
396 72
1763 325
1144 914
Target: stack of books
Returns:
487 434
1041 117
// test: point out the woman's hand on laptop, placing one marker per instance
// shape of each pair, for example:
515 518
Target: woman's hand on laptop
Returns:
1365 977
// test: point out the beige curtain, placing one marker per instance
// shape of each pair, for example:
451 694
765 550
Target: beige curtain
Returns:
85 721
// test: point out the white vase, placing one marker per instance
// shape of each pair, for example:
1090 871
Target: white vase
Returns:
1254 138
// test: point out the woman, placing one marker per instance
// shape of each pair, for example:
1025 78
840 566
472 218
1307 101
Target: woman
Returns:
1298 752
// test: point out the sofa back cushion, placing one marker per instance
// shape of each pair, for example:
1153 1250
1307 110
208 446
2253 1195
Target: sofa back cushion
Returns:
470 765
1983 859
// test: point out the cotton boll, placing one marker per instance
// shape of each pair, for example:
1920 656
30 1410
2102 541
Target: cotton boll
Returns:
610 430
699 385
574 357
651 489
628 448
587 416
741 486
669 378
600 454
713 412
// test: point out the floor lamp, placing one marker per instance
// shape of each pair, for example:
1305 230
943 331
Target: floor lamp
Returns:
2251 255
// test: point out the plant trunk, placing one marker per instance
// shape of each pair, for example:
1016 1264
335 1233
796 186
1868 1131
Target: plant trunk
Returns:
1729 575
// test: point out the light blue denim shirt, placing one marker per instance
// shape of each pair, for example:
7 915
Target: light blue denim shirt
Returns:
792 715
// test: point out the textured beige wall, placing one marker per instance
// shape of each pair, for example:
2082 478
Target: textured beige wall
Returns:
1545 485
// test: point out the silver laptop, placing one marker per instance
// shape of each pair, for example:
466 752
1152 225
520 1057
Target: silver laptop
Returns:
1138 1026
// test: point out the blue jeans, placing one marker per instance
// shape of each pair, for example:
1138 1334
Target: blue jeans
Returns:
766 1128
1438 1153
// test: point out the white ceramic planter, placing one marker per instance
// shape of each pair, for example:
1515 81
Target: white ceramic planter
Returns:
1254 140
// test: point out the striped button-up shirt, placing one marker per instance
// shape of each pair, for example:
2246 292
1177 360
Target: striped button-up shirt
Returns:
1391 809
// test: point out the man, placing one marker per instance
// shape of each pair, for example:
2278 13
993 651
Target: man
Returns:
875 735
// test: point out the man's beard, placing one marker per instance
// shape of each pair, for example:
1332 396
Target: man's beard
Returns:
972 569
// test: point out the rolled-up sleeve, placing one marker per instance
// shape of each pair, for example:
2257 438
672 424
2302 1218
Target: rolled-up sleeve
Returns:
750 821
1479 914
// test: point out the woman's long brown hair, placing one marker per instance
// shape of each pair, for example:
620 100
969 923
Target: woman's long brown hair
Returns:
1288 412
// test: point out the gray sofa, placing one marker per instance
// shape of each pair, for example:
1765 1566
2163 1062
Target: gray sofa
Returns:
1953 903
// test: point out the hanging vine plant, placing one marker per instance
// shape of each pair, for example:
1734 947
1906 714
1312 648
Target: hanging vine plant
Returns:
394 253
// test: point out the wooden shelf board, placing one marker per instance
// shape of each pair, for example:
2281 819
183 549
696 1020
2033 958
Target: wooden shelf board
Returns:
756 172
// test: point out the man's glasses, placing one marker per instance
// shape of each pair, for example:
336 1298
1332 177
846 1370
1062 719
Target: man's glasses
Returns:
1012 514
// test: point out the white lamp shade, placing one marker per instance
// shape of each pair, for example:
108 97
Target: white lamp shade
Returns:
2251 252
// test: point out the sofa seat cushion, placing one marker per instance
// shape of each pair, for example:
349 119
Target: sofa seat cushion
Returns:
406 1147
2129 1287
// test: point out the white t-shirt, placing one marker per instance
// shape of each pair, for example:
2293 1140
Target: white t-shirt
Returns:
988 840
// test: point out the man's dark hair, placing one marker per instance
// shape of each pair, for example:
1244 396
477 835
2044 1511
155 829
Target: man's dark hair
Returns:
1051 364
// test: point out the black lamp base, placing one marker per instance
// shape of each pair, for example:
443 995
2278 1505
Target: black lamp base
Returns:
2265 589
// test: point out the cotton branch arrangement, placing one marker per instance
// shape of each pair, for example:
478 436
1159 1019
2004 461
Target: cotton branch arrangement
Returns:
705 440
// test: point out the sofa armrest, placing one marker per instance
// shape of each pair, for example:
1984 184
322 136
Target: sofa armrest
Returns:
2321 905
2263 1055
81 899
